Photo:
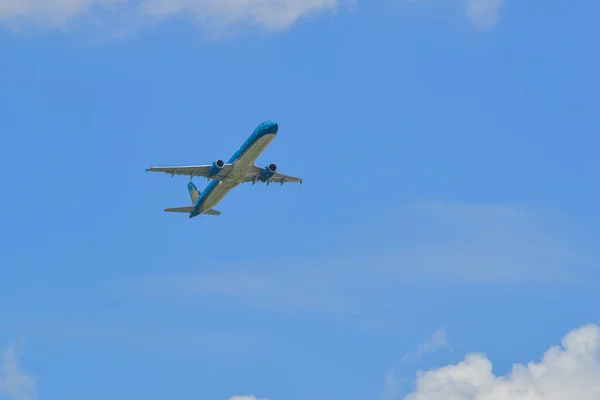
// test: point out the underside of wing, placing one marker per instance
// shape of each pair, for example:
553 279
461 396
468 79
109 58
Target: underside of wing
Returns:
256 173
281 178
186 209
194 170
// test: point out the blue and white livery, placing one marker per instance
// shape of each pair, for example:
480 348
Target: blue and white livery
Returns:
225 176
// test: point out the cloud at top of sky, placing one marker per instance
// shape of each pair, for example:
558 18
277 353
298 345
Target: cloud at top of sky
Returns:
15 383
214 15
268 14
483 14
570 371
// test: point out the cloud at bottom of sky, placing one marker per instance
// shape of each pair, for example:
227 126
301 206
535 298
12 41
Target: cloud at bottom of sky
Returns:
569 371
15 383
248 397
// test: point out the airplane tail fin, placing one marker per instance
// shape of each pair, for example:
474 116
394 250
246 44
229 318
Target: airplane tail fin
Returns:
194 195
194 192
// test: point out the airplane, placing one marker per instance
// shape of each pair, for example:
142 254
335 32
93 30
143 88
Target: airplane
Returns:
225 176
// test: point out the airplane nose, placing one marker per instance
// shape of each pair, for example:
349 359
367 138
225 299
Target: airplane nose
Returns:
274 127
266 128
271 127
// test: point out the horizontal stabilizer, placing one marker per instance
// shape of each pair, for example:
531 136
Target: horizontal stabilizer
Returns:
212 212
186 209
189 209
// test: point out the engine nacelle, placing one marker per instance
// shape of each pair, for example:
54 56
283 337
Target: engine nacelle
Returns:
268 172
216 167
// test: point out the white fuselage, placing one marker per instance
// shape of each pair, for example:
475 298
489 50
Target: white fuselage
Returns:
241 168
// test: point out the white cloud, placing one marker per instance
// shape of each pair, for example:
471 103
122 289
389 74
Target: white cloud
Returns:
15 384
568 372
216 14
270 14
250 397
437 341
50 12
483 14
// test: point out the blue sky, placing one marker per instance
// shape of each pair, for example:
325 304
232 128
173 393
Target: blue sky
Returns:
448 220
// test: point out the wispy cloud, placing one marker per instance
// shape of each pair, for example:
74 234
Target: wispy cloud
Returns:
430 241
483 14
15 383
250 397
570 371
137 333
436 342
211 14
392 384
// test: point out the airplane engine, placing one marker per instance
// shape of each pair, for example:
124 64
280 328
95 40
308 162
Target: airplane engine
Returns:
268 172
216 167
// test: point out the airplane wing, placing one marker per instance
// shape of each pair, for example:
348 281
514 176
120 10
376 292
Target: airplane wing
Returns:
194 170
255 173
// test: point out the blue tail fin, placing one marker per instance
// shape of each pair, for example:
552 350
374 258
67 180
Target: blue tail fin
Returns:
194 192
